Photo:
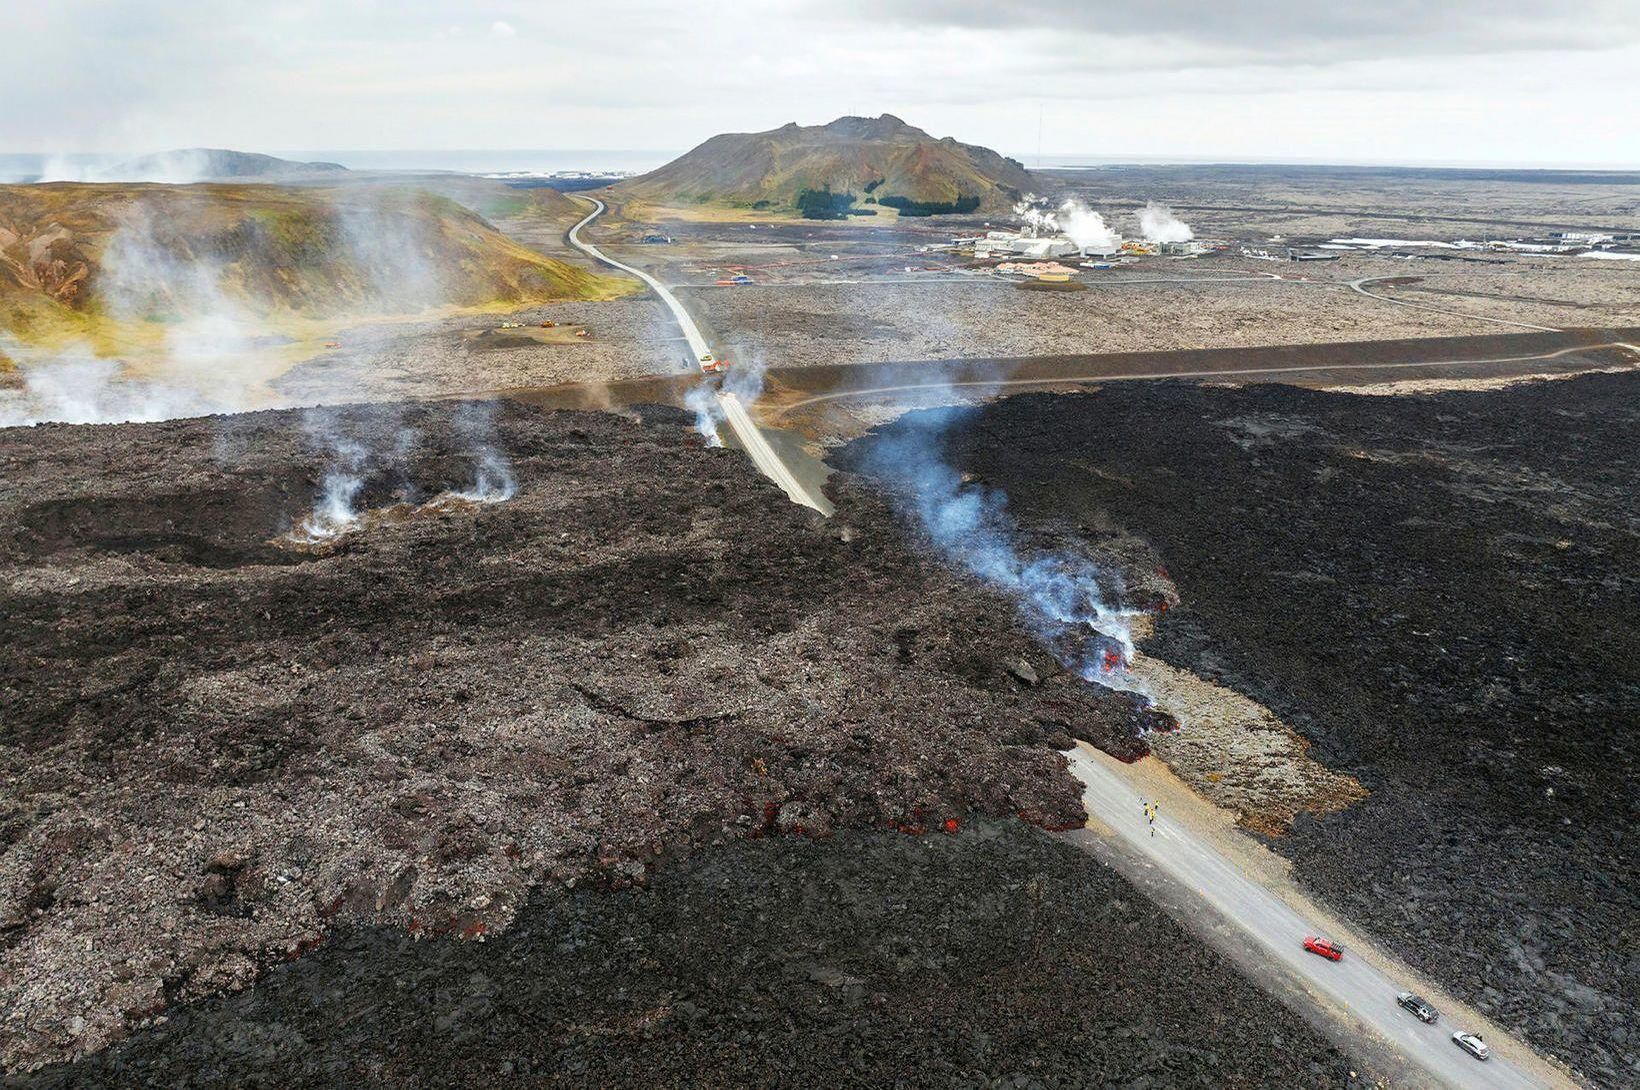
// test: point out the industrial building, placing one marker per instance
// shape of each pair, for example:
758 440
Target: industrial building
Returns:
1014 243
999 243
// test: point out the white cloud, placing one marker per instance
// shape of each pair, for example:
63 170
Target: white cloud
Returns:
1526 81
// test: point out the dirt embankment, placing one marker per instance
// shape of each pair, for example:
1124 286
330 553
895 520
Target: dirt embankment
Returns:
219 748
994 957
1440 593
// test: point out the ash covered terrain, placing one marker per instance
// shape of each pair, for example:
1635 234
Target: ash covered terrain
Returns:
271 678
1440 593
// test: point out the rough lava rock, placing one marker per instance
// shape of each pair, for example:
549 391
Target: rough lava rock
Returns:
1442 593
222 741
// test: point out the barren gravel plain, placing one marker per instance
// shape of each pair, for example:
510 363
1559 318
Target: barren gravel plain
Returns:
866 293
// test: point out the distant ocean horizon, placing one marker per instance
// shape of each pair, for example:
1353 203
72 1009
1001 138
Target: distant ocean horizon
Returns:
491 160
16 166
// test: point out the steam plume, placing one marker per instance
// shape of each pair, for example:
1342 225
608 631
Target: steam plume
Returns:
334 511
79 388
1035 215
702 401
1069 600
493 480
493 483
1086 228
1073 219
1157 223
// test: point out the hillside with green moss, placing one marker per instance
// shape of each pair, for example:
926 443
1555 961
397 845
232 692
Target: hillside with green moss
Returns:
101 264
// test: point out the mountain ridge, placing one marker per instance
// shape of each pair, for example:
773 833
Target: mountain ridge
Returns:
875 161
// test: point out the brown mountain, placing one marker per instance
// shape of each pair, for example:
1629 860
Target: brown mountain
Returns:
880 161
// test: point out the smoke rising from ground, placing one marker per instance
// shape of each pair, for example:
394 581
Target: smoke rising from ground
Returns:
76 387
217 303
373 454
492 477
1157 223
701 399
1071 603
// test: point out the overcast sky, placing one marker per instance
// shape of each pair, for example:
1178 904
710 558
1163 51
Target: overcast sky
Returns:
1530 82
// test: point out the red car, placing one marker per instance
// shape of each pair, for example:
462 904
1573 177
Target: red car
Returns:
1327 948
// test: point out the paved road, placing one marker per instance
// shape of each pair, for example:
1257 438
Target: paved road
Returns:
1360 286
1353 984
1224 372
752 440
1007 281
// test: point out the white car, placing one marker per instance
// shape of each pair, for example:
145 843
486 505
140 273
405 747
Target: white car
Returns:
1472 1044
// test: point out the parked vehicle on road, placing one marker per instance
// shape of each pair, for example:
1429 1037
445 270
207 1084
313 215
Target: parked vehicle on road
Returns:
1327 948
1472 1044
1420 1009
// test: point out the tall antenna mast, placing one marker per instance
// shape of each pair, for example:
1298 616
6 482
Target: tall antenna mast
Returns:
1039 136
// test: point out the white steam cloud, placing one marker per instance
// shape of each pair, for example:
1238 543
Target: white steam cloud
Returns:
374 453
492 478
1157 223
702 401
1032 211
78 388
216 325
1080 224
169 168
1086 228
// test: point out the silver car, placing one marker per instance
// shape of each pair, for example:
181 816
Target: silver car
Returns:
1472 1044
1420 1009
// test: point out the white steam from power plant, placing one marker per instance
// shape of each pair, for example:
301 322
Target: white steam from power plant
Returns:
1034 214
1157 223
1086 228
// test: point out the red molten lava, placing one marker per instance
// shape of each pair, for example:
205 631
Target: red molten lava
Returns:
1114 660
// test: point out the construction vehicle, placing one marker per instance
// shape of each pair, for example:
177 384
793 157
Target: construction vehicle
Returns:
549 325
711 365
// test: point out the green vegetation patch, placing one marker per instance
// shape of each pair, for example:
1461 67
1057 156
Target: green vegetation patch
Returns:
909 207
823 204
